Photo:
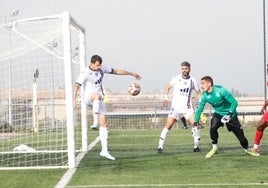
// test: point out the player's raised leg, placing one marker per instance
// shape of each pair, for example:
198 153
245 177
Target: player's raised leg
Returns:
96 99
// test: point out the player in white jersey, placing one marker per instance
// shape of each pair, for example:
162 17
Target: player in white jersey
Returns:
91 81
183 85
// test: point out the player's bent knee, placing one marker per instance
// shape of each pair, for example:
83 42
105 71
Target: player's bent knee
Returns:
96 96
261 127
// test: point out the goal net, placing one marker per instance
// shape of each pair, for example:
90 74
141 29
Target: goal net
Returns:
39 61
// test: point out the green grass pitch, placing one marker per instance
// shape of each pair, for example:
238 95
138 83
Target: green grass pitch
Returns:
138 164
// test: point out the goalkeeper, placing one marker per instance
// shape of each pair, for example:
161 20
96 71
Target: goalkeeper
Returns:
225 106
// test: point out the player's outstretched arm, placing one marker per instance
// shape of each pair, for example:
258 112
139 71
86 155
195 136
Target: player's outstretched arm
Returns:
124 72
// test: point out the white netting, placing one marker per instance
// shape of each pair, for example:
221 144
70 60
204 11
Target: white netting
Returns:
35 134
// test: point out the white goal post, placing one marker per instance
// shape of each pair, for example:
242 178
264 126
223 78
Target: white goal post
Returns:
40 58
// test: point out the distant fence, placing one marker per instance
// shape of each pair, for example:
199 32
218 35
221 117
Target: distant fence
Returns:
156 120
120 116
152 114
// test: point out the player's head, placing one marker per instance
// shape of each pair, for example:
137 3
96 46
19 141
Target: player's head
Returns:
96 58
185 69
96 62
185 63
206 83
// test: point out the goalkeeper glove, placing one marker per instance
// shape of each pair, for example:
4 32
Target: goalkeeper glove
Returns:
226 118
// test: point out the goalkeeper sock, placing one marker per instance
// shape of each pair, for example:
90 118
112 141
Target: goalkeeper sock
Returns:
103 133
163 136
96 109
258 137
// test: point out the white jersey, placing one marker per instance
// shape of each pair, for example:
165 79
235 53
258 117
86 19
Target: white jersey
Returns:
182 93
91 81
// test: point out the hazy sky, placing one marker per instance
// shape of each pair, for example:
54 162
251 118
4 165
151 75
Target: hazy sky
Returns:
221 38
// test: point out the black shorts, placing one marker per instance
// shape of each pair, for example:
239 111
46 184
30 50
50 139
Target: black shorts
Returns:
233 125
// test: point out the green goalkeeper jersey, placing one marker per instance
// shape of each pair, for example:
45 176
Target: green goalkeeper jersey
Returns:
220 99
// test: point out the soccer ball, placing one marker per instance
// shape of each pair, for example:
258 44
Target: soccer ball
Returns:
134 89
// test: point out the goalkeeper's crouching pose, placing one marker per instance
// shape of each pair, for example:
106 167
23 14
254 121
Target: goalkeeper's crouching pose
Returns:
225 106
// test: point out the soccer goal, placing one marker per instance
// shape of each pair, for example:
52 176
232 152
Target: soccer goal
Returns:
39 60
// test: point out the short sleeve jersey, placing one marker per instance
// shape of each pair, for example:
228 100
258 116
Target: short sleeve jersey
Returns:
91 80
182 92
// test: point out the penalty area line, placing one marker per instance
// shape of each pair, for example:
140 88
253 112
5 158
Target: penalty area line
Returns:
70 172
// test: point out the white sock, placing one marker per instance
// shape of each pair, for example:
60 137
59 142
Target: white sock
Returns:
256 146
96 109
163 137
196 135
103 133
215 146
196 142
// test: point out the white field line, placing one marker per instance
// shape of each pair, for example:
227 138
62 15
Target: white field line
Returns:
70 172
174 185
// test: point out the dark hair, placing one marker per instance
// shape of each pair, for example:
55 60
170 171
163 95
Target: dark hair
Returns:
208 79
185 63
95 58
